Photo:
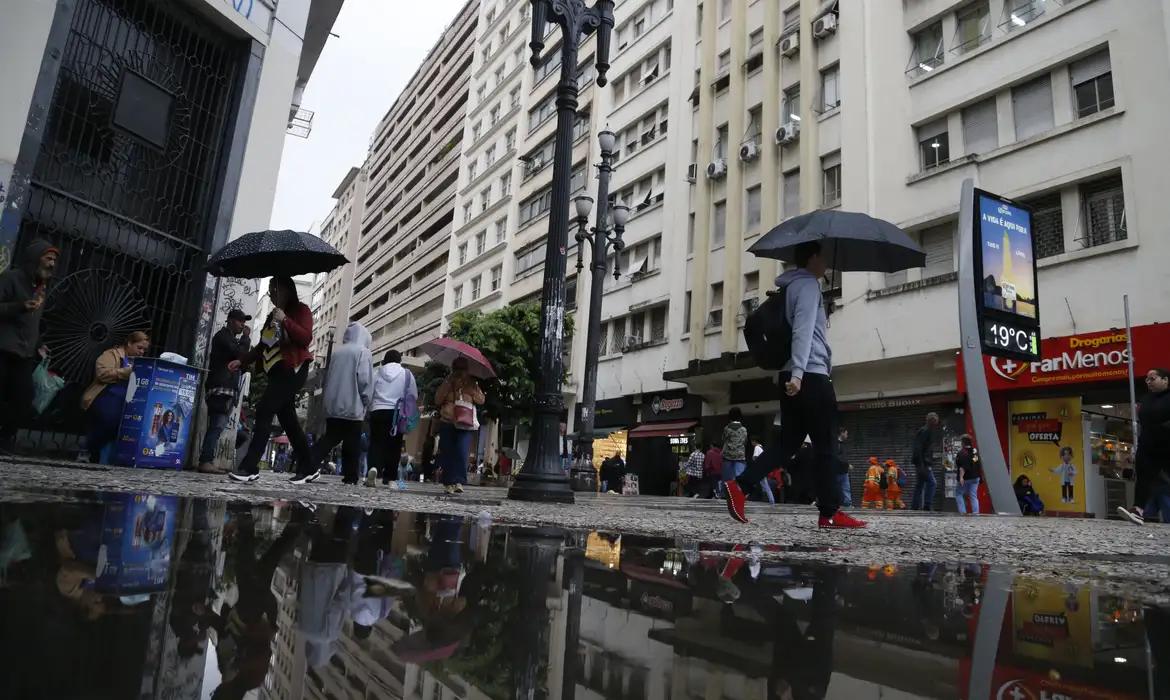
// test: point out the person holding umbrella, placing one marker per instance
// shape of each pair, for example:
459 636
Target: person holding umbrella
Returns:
457 398
283 353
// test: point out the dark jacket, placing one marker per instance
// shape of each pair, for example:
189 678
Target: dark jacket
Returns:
20 329
841 459
224 349
923 456
1154 440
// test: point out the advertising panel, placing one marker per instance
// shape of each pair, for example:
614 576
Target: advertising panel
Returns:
1007 297
1052 622
1046 445
138 532
156 421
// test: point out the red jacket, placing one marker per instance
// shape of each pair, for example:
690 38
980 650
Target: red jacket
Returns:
295 339
713 462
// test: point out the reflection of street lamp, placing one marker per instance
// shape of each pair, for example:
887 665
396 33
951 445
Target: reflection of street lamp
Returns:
543 478
584 477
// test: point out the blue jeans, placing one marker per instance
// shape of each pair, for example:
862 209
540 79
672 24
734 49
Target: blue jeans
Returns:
968 489
454 447
924 486
731 470
846 491
1159 503
216 422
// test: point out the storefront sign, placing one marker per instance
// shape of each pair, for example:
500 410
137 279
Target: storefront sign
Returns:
660 602
1092 357
1012 684
1052 622
156 421
1045 444
671 405
610 413
901 402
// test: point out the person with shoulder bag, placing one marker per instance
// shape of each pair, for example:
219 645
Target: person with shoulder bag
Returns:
457 398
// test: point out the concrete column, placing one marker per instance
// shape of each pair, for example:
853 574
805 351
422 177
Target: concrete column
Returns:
770 122
23 34
1006 117
700 293
1070 215
733 249
1062 96
810 94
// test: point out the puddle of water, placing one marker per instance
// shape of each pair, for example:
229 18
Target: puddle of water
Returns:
138 596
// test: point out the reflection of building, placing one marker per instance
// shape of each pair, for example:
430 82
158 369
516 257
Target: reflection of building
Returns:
286 675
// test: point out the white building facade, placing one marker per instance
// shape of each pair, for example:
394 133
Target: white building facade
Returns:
332 291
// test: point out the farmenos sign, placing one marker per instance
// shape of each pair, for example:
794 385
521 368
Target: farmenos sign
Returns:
1075 359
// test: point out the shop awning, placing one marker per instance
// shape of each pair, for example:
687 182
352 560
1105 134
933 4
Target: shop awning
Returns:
662 429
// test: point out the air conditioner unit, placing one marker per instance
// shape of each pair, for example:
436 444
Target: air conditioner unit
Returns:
631 341
825 26
787 133
790 44
692 172
717 169
749 151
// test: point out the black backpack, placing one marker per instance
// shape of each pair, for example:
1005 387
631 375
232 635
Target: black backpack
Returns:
768 333
884 482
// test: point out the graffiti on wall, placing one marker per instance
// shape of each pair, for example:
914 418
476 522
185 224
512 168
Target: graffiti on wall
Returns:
258 12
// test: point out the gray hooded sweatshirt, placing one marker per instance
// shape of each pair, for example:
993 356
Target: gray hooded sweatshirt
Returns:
349 385
805 309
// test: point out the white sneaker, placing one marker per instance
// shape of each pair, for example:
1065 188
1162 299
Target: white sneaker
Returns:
243 478
1131 516
372 477
306 479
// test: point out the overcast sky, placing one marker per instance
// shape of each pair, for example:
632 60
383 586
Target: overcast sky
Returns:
378 47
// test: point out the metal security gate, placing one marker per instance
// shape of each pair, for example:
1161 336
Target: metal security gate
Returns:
126 184
888 433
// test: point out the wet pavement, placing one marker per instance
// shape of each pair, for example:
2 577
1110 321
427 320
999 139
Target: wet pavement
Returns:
131 595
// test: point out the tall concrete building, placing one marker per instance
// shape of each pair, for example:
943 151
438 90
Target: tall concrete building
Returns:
332 291
412 170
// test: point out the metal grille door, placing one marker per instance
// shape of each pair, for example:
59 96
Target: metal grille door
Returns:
126 185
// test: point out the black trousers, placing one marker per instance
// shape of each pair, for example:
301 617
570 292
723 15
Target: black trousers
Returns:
813 413
385 449
348 434
280 401
16 387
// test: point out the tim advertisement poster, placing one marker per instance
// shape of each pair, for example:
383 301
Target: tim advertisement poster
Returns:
157 419
138 532
1047 441
1052 622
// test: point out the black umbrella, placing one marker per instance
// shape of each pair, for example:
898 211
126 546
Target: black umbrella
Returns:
274 254
850 242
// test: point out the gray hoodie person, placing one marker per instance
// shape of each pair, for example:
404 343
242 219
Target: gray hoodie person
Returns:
805 309
349 384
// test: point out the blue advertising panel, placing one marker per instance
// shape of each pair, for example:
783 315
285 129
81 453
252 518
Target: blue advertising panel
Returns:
1007 295
138 534
156 421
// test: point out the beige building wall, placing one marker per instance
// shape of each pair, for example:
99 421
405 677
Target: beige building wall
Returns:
332 291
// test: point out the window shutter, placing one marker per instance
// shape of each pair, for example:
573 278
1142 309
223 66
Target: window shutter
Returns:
981 127
1090 67
1032 104
791 194
938 127
939 245
831 160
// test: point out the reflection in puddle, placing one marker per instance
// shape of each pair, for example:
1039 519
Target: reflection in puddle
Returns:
123 596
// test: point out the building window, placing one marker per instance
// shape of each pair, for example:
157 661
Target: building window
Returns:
467 212
933 144
494 115
791 109
458 296
476 132
1104 211
551 63
753 209
1048 225
981 127
724 62
618 334
791 194
1092 81
657 328
506 185
755 119
831 179
691 234
792 18
686 313
973 28
926 52
500 74
535 206
715 308
1032 107
939 245
831 87
480 242
489 155
514 98
501 230
476 286
479 94
1018 13
719 226
462 257
724 10
472 170
497 277
485 199
510 139
721 138
755 39
542 113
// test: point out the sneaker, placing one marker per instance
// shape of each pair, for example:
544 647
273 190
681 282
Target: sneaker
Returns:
311 507
309 478
449 489
243 478
1131 515
372 477
841 521
735 499
458 488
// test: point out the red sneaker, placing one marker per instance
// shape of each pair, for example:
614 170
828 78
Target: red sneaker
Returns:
733 494
841 521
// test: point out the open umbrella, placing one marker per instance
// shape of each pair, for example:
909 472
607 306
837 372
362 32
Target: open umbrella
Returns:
446 350
850 242
274 254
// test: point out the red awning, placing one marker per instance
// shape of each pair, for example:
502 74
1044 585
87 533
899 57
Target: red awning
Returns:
662 429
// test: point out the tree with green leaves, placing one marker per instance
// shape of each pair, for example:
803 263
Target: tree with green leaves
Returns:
509 338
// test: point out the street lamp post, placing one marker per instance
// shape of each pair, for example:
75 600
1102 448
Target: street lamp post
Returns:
542 478
584 477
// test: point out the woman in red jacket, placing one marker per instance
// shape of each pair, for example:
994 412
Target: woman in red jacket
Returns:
283 353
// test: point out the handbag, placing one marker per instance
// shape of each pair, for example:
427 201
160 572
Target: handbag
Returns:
465 418
47 386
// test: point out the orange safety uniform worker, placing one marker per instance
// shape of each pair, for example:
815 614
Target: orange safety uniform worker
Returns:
872 493
893 488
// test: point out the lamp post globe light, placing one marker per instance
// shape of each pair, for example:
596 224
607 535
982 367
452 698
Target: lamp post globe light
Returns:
602 237
542 478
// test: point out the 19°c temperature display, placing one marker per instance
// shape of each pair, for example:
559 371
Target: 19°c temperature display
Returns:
1007 337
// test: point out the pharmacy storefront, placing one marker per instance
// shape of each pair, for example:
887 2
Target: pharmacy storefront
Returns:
1065 421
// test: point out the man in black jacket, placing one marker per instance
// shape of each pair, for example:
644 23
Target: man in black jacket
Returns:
23 289
223 384
923 459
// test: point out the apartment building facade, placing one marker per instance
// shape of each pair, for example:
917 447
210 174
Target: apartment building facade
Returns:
333 291
410 208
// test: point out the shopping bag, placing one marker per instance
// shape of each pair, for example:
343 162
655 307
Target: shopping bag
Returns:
465 414
47 386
